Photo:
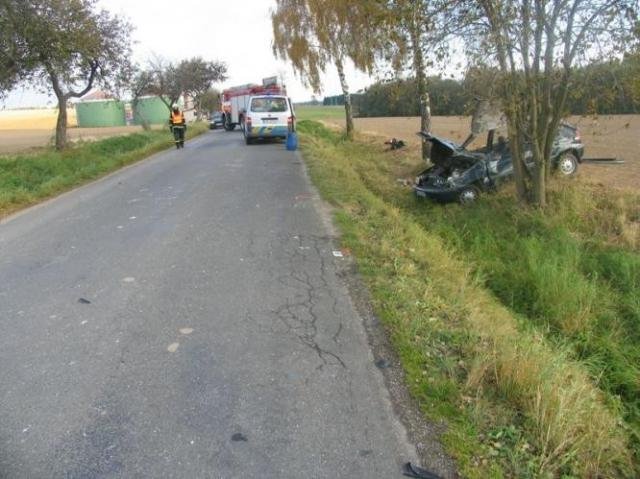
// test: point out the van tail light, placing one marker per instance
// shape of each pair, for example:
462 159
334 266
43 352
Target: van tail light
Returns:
290 123
248 121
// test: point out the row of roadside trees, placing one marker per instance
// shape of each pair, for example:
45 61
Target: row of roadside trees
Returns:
68 47
612 87
531 48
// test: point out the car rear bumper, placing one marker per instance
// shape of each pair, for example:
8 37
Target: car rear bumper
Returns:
275 131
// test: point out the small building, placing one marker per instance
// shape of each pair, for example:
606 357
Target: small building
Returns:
150 110
99 109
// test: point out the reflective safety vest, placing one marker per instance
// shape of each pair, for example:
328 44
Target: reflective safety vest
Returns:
177 118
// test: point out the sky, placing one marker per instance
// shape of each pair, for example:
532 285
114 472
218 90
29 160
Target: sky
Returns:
237 32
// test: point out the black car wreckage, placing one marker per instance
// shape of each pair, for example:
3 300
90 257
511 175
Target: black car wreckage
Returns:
458 174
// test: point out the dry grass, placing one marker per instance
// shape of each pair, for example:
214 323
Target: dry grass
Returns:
566 411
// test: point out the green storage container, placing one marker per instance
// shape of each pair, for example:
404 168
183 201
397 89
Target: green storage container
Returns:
150 110
98 113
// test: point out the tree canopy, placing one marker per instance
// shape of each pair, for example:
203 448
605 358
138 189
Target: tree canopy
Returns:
534 47
169 81
313 34
198 76
64 46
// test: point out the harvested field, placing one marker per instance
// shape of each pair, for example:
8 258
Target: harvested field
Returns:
14 141
603 136
35 119
23 130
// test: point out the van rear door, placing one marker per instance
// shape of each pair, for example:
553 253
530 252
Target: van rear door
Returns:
269 116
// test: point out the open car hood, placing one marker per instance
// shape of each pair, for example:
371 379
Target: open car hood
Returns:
446 146
447 153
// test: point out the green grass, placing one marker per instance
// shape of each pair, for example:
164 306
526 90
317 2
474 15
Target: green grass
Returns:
579 286
309 112
26 179
518 327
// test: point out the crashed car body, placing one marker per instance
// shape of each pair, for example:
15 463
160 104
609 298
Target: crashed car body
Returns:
458 174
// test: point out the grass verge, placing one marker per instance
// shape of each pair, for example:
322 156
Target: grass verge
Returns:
26 179
517 327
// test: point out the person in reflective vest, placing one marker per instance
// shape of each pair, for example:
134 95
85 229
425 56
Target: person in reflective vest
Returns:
177 125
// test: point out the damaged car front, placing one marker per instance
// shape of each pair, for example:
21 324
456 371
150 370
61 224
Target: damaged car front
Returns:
456 174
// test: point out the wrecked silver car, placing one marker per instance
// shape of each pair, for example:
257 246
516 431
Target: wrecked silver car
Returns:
458 174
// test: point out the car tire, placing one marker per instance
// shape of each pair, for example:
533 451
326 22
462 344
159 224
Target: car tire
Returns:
468 195
567 164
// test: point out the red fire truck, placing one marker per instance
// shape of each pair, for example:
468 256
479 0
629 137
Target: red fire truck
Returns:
235 100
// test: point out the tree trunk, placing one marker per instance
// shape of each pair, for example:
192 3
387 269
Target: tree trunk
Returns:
347 99
425 120
421 80
540 185
61 124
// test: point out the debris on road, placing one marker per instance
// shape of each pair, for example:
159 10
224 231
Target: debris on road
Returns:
239 437
604 161
395 144
84 301
410 470
383 363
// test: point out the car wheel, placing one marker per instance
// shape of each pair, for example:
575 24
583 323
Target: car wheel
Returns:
567 164
468 195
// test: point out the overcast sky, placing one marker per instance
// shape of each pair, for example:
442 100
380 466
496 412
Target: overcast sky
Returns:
237 32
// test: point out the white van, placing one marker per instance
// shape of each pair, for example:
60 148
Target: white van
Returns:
268 116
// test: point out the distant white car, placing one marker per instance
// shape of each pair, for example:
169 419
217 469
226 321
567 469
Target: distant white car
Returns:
268 116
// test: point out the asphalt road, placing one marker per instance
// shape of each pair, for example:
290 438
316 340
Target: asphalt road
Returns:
183 318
